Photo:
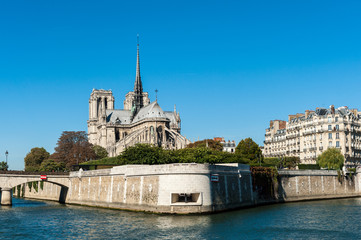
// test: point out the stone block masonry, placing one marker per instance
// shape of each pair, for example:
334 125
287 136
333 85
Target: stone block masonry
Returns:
191 188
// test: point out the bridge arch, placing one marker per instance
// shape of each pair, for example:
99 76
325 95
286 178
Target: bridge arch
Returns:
9 181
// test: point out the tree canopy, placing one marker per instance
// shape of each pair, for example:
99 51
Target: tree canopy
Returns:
3 166
148 154
73 148
100 152
332 158
34 159
49 165
210 143
248 149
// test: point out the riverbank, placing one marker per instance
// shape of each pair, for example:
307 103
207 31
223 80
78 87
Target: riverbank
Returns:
192 188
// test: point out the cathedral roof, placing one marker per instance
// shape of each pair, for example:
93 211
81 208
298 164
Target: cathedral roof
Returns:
152 110
170 115
119 116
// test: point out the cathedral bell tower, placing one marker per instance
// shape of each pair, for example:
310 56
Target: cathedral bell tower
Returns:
99 102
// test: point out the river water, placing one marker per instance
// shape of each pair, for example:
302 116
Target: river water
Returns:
330 219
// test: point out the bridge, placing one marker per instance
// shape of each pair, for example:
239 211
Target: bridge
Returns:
11 179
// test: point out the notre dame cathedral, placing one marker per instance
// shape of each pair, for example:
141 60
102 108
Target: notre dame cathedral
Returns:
139 122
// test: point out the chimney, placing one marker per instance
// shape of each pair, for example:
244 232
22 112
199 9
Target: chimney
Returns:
307 112
282 125
290 117
332 109
270 124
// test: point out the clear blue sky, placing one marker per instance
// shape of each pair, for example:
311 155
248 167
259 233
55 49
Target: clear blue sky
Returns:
230 66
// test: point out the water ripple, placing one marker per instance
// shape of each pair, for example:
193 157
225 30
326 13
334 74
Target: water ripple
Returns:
332 219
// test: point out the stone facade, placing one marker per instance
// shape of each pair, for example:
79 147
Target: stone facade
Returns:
307 135
139 122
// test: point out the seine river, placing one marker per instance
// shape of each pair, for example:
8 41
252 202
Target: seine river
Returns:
332 219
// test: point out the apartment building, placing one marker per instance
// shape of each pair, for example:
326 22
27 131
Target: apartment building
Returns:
228 146
307 135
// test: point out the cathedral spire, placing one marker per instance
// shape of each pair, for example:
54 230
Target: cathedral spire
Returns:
138 88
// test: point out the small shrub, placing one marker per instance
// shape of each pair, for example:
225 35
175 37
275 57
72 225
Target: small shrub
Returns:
308 167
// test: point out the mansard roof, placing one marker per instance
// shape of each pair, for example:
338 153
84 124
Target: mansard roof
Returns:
342 111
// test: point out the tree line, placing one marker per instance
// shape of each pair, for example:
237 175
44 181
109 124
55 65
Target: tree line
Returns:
73 148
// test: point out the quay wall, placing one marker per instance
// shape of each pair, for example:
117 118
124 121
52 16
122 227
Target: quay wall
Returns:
162 188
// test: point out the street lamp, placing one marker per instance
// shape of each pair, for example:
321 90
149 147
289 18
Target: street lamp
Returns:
6 154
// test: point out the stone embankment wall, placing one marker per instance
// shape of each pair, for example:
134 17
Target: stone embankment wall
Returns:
304 185
192 188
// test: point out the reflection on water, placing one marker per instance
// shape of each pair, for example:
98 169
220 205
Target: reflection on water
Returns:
333 219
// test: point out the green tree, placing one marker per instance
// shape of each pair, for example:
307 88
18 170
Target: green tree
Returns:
34 159
289 162
3 166
49 165
73 148
209 143
143 154
248 149
100 152
332 158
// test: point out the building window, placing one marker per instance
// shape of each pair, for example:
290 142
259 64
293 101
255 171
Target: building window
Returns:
336 119
329 119
330 144
330 136
337 127
338 144
329 128
337 136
